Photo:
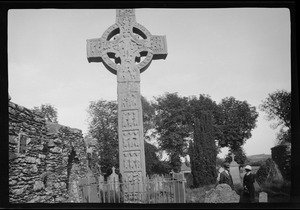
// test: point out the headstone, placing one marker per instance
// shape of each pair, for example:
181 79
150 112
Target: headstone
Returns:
221 194
113 179
235 172
126 42
263 197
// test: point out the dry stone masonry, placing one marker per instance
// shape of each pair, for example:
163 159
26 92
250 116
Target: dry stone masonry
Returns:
126 42
42 158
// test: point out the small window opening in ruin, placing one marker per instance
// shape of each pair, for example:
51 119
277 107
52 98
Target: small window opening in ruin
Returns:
22 143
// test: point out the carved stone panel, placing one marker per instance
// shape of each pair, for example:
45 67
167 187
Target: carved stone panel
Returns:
129 100
131 140
94 47
132 177
125 12
130 119
128 86
132 161
158 44
128 72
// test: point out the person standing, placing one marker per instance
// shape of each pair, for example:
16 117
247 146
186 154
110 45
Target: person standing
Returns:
225 176
248 186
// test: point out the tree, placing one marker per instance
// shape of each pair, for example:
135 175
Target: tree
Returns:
153 163
148 114
47 111
103 127
278 107
172 126
234 122
203 151
239 156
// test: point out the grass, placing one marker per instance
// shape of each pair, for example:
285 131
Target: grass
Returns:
278 192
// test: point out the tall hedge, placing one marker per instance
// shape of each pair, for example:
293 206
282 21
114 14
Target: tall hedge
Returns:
203 151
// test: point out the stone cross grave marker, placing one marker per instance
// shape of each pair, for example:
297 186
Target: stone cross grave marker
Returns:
235 172
121 49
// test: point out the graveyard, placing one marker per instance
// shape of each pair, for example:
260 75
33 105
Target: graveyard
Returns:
54 163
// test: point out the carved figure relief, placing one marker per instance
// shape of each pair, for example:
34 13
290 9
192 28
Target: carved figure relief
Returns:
94 46
129 100
129 72
131 161
130 140
157 44
131 177
129 119
123 12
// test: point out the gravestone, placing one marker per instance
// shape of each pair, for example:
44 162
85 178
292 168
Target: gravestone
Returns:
113 180
263 197
120 49
221 194
235 173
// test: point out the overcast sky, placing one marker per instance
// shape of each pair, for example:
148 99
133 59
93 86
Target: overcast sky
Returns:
239 52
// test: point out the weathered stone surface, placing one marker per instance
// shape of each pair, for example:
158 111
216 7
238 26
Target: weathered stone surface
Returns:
51 143
42 156
38 185
30 160
128 49
26 183
221 194
18 191
263 197
56 150
34 169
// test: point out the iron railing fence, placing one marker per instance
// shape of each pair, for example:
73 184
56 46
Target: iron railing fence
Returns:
166 190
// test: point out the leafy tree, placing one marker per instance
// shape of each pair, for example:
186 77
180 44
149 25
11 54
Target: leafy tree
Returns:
47 111
153 163
203 152
278 107
239 156
103 127
172 126
234 121
148 114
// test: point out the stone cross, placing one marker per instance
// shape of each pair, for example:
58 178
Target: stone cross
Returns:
126 49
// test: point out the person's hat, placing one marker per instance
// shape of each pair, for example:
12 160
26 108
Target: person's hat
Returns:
226 165
248 167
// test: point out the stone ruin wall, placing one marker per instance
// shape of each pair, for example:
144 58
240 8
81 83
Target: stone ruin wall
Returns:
42 174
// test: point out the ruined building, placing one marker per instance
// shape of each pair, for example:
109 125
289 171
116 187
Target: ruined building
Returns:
45 159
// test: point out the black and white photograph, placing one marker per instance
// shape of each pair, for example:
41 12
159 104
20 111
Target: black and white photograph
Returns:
150 105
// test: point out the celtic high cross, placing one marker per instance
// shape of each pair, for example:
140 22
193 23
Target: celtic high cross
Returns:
126 49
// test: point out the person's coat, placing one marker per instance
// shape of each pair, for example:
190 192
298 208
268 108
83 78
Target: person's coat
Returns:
226 179
248 188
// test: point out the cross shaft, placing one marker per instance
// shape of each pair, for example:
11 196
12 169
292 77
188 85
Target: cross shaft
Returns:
120 49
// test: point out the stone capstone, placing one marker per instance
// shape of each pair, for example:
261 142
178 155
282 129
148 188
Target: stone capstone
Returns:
221 194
